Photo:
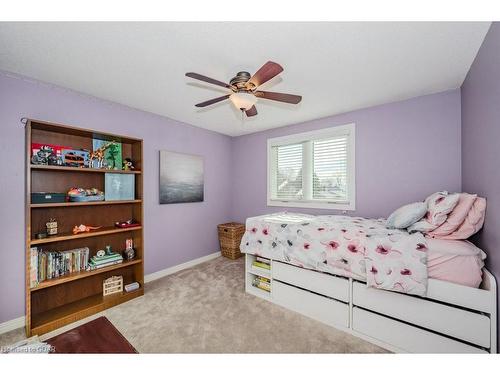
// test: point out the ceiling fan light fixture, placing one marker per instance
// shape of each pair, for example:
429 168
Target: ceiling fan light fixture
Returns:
243 100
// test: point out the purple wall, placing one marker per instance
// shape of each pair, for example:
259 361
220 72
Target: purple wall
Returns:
481 141
169 229
404 152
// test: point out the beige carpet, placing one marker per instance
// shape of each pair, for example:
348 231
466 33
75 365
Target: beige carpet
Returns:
204 309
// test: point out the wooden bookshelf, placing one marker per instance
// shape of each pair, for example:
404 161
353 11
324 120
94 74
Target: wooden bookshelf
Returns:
56 302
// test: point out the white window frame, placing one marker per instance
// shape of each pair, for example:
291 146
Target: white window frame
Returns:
348 129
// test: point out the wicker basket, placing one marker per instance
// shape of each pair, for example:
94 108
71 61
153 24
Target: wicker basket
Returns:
229 238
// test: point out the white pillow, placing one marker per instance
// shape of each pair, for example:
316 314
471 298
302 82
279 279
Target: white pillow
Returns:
407 215
439 205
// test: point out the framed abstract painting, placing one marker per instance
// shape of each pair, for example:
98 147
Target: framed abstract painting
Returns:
181 178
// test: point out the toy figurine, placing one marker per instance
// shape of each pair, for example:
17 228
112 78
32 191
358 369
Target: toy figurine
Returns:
83 228
53 159
108 250
128 165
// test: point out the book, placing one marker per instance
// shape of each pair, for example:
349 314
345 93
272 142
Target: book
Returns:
261 285
263 279
263 260
105 259
107 256
261 265
97 261
98 266
33 267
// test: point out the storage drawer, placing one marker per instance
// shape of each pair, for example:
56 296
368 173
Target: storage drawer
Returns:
322 283
324 309
468 326
403 336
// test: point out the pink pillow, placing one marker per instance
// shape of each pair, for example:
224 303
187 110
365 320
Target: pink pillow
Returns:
456 217
454 247
471 224
459 262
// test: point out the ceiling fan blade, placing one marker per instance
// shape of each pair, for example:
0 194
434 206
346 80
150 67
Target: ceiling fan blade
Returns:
207 79
278 96
265 73
251 112
212 101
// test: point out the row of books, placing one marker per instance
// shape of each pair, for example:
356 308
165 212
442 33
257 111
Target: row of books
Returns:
46 265
262 263
262 283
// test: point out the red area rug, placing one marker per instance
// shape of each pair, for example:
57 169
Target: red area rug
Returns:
96 336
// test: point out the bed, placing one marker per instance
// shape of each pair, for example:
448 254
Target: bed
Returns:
448 307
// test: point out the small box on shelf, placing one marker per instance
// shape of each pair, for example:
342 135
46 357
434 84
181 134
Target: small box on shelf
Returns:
112 285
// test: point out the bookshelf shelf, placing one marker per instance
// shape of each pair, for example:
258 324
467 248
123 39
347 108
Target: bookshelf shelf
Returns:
260 271
79 275
83 170
79 204
251 272
56 302
70 236
71 312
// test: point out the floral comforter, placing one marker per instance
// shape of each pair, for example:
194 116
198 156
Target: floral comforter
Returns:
355 247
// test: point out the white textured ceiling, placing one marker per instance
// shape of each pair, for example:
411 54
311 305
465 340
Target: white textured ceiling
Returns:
336 67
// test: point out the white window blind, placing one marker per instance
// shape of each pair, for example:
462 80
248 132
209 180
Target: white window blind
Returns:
289 171
314 169
330 170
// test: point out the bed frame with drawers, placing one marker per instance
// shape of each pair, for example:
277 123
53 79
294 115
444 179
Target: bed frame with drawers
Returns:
451 319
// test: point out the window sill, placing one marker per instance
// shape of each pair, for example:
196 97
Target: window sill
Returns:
309 204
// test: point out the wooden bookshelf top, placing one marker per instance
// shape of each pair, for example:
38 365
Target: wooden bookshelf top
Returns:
82 274
81 132
78 204
74 169
70 236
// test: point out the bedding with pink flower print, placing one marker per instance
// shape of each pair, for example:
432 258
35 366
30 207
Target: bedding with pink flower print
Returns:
356 247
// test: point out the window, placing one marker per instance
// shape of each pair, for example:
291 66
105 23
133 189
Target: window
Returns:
313 169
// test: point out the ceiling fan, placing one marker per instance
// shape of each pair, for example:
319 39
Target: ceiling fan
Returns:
245 91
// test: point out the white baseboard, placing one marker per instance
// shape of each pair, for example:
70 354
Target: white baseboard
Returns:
10 325
168 271
19 322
